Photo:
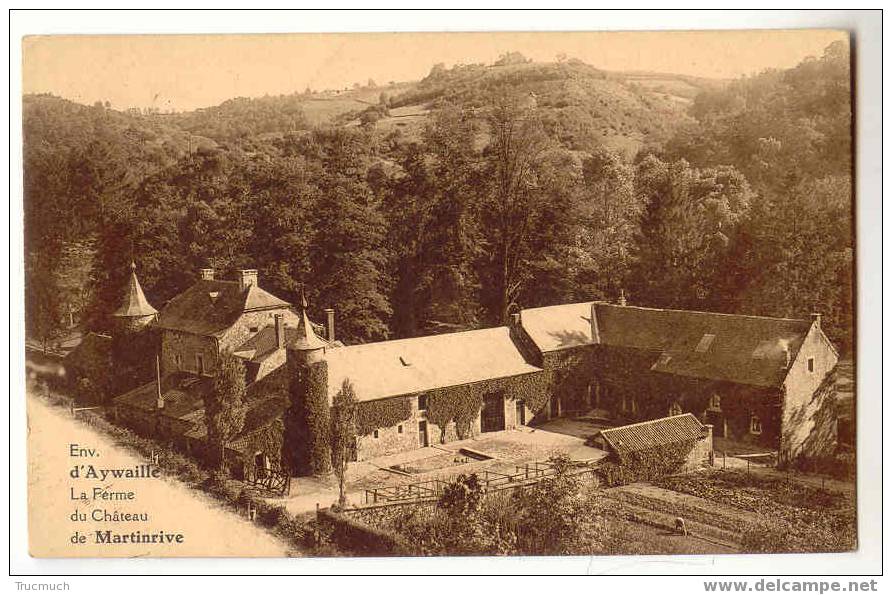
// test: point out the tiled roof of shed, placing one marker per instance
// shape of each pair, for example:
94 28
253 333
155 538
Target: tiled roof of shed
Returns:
653 433
728 347
406 366
211 306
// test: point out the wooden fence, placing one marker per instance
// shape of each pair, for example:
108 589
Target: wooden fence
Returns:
492 481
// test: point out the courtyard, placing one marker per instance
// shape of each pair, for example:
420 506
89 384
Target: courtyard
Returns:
496 452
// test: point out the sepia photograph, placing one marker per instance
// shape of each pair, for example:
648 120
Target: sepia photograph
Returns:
438 294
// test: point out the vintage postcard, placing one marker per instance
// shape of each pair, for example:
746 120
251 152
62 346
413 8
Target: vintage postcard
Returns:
440 294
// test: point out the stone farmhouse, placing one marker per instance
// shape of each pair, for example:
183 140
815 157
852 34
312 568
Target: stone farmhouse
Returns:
764 381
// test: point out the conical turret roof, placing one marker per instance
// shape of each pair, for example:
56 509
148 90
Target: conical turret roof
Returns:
135 302
306 338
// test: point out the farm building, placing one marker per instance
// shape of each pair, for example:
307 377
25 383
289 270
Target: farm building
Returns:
766 381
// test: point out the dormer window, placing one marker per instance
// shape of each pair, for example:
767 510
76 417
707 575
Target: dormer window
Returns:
704 343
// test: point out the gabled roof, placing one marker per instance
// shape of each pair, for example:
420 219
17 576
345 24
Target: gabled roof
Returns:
182 393
558 327
407 366
135 302
262 344
727 347
211 306
653 433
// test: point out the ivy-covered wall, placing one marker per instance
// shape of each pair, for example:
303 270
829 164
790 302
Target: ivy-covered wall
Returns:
306 449
624 375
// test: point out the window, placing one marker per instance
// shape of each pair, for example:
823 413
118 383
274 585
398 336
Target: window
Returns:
811 365
675 408
715 403
755 424
399 429
253 329
422 402
704 343
199 363
375 434
178 360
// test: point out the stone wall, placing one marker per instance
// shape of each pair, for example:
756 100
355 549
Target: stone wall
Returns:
187 346
391 441
804 405
702 454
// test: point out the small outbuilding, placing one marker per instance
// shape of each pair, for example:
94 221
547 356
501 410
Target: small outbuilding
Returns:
661 433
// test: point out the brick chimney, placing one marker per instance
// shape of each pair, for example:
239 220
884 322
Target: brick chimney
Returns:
280 331
206 274
329 328
816 319
246 278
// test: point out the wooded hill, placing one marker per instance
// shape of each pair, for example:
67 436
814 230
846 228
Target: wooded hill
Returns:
443 204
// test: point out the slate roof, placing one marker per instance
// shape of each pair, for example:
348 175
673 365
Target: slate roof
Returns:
743 349
727 347
182 392
653 433
211 306
135 302
183 400
406 366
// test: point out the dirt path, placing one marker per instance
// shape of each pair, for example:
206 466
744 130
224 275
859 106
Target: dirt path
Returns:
207 529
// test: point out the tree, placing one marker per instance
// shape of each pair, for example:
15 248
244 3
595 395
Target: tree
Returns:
557 517
609 213
689 223
517 143
224 406
342 434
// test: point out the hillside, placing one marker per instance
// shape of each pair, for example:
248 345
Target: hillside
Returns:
577 100
623 111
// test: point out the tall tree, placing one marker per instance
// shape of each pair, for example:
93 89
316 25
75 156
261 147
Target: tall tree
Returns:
225 407
688 225
342 435
517 142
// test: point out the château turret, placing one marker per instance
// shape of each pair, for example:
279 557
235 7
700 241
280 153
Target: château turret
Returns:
136 312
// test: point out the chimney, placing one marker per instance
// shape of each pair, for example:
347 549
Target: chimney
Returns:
515 319
246 278
622 297
329 328
596 330
280 331
206 274
816 319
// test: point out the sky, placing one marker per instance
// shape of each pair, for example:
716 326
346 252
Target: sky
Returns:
184 72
